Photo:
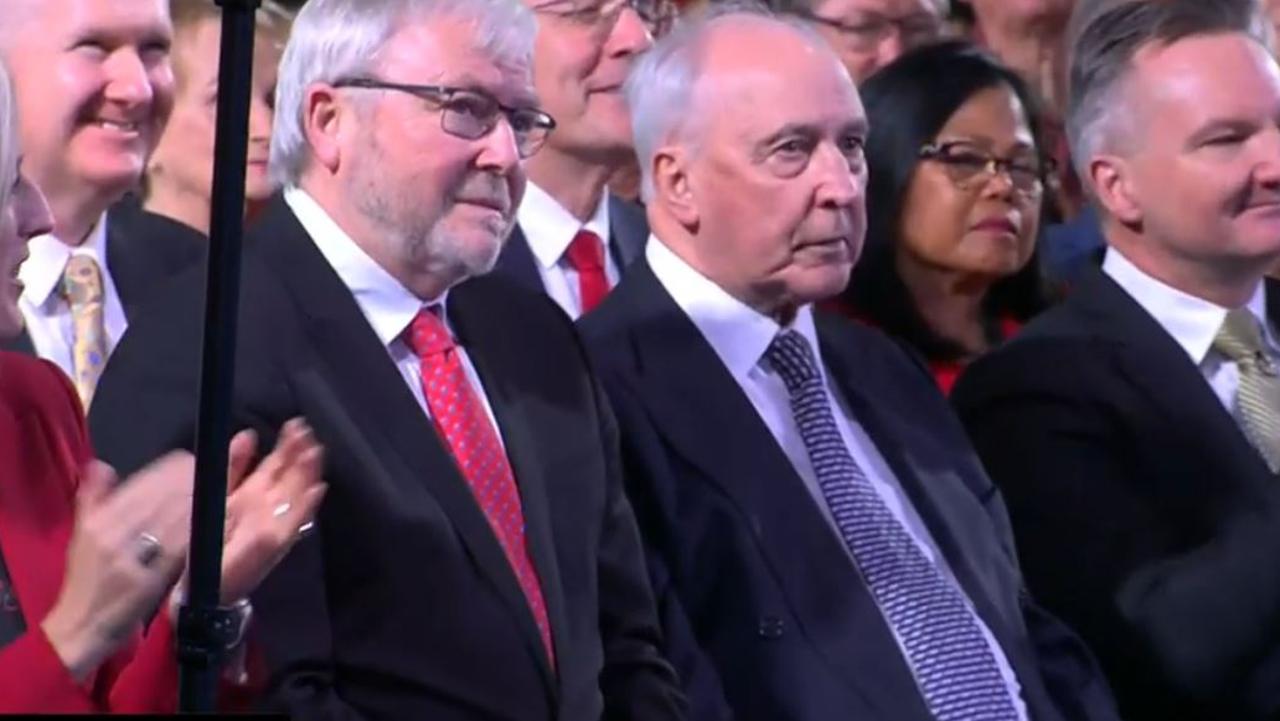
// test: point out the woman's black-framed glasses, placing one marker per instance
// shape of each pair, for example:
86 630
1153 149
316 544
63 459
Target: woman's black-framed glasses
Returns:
659 16
469 113
969 165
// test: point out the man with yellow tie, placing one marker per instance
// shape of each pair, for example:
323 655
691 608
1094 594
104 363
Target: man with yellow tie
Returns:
96 88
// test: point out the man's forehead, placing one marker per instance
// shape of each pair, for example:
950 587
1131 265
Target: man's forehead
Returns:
55 16
1215 69
891 8
445 51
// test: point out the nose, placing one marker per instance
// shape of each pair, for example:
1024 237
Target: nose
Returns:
630 35
1267 169
128 80
890 48
260 119
840 185
499 152
998 183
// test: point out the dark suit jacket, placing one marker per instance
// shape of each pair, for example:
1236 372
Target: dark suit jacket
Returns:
1142 514
628 231
43 447
403 605
765 616
144 250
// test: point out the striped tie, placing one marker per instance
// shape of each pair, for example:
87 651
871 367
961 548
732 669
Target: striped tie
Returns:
945 649
1257 406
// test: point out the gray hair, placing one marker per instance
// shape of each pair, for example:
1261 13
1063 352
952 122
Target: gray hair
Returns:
660 87
8 136
1105 35
335 39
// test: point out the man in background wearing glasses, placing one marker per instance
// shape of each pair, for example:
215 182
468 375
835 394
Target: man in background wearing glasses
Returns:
481 561
869 34
574 240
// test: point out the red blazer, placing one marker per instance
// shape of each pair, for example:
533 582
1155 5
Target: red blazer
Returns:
43 446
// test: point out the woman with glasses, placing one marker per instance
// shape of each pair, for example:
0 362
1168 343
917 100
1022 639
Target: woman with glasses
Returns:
954 204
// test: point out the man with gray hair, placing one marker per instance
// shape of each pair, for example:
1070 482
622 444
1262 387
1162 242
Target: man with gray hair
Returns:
479 560
1135 430
95 86
822 542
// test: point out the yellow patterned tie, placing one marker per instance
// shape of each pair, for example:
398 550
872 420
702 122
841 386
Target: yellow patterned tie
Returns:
82 285
1257 405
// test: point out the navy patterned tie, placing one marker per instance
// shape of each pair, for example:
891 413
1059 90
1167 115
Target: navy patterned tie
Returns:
953 665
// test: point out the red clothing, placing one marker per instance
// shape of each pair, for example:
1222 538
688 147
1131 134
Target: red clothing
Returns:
43 447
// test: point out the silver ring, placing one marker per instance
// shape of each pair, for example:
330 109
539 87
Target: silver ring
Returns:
281 509
148 549
305 529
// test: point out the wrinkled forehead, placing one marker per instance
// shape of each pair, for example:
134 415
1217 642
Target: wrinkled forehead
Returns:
448 50
799 82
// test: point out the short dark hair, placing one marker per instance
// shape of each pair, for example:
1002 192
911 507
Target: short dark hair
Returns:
1107 34
908 102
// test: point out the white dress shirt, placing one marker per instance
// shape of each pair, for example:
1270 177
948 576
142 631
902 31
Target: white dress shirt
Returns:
1193 322
385 302
740 337
45 309
550 228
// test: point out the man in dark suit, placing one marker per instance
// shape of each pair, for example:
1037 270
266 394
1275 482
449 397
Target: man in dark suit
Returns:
477 558
822 541
91 114
1134 430
573 240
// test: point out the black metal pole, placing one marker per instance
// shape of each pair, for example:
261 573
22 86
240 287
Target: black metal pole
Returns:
202 623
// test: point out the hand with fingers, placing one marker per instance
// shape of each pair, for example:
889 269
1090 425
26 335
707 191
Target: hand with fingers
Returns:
128 545
271 508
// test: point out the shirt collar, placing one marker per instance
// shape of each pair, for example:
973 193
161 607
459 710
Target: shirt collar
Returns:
739 334
386 303
41 274
1193 322
549 227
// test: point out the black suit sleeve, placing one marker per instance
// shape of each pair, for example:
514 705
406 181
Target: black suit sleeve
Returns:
638 684
1178 628
705 694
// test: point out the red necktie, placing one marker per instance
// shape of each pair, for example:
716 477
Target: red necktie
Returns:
586 255
460 418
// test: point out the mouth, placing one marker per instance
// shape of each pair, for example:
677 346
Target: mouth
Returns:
826 244
996 225
123 127
493 204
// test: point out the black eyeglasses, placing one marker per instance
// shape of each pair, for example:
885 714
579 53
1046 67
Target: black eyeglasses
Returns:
470 114
871 29
658 15
969 165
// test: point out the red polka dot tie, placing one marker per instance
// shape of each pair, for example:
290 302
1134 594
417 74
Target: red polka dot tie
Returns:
462 422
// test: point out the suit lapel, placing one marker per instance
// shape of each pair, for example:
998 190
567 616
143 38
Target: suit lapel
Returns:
1152 363
628 232
516 262
929 475
372 390
688 391
490 351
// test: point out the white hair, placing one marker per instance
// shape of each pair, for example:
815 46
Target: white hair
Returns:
336 39
660 88
8 136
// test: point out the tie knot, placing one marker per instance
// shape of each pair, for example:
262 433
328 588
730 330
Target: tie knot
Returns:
792 359
427 334
586 251
82 280
1240 338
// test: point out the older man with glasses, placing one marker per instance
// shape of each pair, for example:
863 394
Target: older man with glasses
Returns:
869 34
481 561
